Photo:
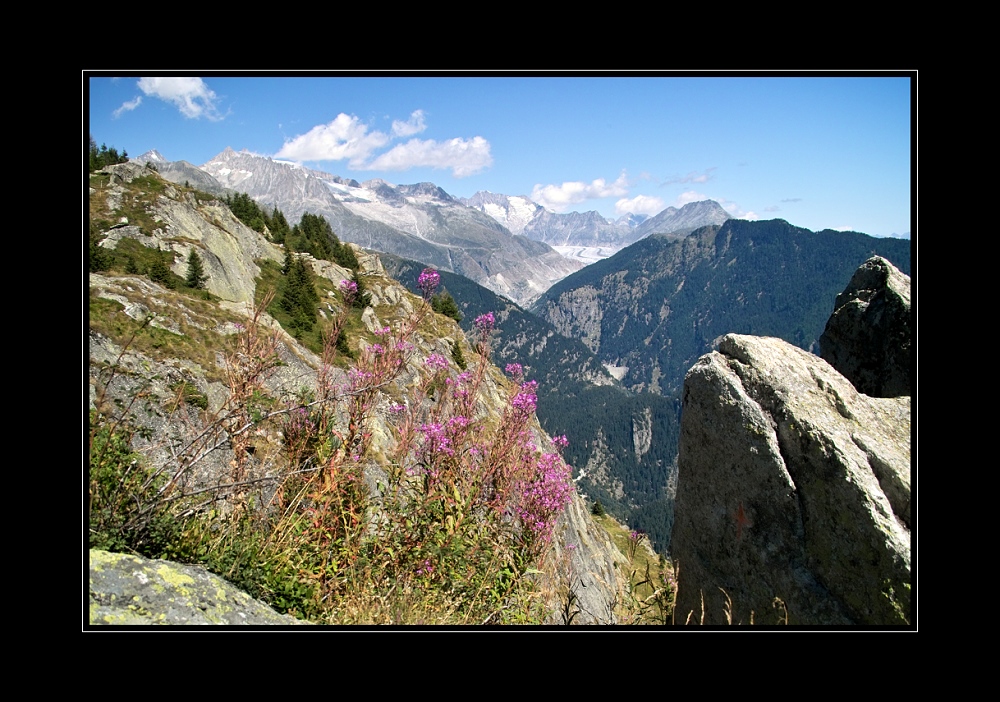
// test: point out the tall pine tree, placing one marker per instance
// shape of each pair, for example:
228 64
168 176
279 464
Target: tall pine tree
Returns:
196 272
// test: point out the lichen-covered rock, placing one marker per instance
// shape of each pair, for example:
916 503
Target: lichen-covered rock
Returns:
867 338
794 485
128 589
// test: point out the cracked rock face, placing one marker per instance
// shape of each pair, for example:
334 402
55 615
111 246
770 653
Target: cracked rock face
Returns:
792 485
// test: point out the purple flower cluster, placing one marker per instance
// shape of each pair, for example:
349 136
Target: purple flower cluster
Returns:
485 323
436 439
428 282
545 496
524 402
515 371
458 422
348 288
436 362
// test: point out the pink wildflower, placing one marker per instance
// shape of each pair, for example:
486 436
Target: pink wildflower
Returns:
428 282
436 362
485 323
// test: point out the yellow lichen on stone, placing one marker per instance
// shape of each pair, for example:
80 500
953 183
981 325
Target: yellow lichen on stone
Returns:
178 580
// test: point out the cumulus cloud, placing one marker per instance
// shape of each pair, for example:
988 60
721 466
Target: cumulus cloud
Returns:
190 95
640 204
346 137
792 199
558 197
128 106
464 157
414 125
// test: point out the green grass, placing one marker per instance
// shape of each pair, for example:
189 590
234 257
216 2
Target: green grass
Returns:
199 345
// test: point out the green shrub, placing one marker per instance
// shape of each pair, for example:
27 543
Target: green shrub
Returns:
125 508
190 394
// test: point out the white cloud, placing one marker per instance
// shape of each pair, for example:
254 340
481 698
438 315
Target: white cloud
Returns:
415 125
346 137
558 197
128 106
640 204
464 157
191 96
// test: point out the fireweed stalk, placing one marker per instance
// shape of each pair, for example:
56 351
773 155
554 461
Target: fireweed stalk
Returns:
487 497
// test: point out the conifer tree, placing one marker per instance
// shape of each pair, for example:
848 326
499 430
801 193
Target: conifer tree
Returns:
196 272
445 304
298 297
159 272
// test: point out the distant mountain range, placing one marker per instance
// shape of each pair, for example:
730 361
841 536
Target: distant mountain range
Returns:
419 221
497 240
587 236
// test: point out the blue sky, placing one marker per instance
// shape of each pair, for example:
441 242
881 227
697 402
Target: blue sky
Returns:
821 152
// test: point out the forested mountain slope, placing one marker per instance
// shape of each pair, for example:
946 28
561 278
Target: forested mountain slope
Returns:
658 305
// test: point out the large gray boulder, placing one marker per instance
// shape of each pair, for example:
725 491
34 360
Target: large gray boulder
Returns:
792 485
128 589
867 338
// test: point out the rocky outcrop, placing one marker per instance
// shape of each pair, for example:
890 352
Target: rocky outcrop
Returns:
793 492
129 590
227 247
868 337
